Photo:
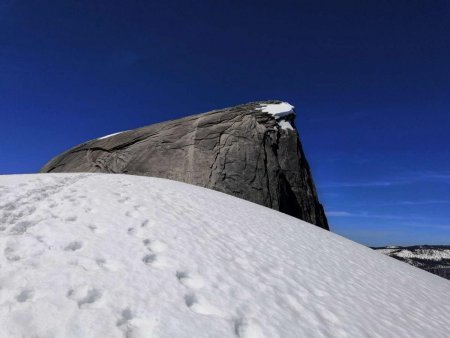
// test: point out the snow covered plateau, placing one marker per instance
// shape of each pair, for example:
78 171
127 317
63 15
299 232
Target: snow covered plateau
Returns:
103 255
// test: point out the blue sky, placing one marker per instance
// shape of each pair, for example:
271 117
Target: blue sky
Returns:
370 81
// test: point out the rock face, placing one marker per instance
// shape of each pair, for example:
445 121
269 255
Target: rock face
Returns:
251 151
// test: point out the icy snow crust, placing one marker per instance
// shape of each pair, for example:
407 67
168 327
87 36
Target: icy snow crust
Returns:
103 255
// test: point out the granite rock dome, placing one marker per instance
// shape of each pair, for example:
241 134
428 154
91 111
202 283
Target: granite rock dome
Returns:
251 151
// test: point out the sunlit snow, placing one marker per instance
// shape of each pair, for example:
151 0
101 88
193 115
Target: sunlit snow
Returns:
103 255
107 136
280 111
285 125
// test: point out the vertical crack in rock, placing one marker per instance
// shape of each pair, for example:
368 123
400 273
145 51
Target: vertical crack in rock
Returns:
251 151
266 173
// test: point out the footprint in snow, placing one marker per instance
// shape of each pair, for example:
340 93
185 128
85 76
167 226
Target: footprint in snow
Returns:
126 315
21 227
96 229
84 296
140 328
201 306
149 259
155 261
9 207
139 207
24 295
248 328
108 265
135 327
73 246
137 231
154 245
10 254
123 199
189 280
133 214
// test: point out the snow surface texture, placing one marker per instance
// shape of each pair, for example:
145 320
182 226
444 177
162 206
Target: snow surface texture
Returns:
103 255
280 111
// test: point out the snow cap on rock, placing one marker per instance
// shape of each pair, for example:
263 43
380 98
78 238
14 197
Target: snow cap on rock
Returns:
283 112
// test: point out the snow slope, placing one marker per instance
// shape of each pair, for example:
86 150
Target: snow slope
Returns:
102 255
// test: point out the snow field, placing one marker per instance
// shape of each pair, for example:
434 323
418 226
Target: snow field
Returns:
105 255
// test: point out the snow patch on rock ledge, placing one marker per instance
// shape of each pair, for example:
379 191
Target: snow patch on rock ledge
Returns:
282 112
110 135
285 125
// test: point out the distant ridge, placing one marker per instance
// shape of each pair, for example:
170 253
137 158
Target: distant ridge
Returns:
431 258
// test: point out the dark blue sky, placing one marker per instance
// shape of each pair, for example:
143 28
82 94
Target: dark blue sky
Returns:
370 81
